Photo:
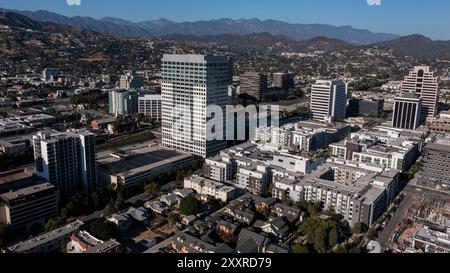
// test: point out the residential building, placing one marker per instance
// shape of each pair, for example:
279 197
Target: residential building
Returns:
29 206
221 168
407 112
208 187
123 102
328 100
435 164
67 160
253 84
190 83
422 81
150 106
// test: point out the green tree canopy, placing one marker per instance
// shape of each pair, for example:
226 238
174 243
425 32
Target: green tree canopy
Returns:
189 206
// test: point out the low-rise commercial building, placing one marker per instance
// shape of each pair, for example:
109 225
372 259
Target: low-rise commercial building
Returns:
29 206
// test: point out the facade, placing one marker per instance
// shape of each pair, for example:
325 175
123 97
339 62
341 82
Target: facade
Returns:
123 102
221 168
131 81
29 206
421 81
190 83
407 112
436 164
67 160
253 84
328 100
208 187
150 106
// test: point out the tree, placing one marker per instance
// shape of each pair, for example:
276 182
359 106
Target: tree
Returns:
359 228
299 249
172 218
371 234
152 188
104 230
333 238
189 206
54 223
320 240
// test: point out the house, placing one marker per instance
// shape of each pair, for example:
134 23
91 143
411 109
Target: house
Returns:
148 242
278 226
227 228
245 216
291 213
274 249
122 221
140 214
170 199
156 207
183 193
265 204
187 220
251 242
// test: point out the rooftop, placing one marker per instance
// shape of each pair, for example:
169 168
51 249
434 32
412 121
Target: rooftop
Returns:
26 191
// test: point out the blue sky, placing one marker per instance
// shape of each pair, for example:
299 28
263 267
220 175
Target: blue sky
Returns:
430 17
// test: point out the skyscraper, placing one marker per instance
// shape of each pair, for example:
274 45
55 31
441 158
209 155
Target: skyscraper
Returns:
328 100
253 84
67 160
422 81
190 83
407 112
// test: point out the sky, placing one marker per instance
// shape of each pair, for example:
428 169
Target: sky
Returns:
402 17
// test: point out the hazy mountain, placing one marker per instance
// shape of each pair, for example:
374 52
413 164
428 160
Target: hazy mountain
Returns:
419 45
161 27
265 40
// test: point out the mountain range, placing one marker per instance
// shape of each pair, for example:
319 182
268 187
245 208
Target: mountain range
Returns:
164 27
413 45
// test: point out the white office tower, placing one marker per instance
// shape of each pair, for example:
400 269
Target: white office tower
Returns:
328 100
191 83
421 81
67 160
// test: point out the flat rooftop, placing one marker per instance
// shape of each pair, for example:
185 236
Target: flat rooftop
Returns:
14 175
26 191
67 230
128 163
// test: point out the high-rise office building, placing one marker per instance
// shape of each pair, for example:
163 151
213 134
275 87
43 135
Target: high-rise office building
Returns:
284 80
407 112
67 160
328 100
123 102
253 84
150 106
131 81
190 83
423 82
